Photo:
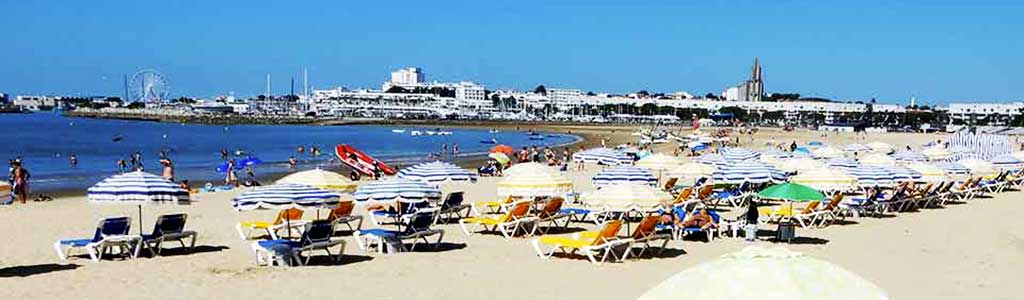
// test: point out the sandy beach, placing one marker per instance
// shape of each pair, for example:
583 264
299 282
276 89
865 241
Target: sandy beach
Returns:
969 250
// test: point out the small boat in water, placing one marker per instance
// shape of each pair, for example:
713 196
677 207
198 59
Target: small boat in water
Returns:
493 131
536 137
416 132
491 141
398 130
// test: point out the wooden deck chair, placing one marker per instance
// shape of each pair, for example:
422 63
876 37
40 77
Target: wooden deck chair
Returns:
646 233
590 243
670 184
806 215
829 213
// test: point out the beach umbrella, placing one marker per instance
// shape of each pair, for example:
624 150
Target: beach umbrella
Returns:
775 273
285 196
502 148
436 171
929 173
775 153
716 160
604 156
826 179
901 173
692 171
800 164
398 189
881 147
534 184
979 167
137 188
659 162
909 156
827 152
842 162
953 169
528 168
738 154
1018 155
622 174
856 148
747 171
794 192
501 158
870 176
1007 162
815 144
936 153
878 159
321 179
625 196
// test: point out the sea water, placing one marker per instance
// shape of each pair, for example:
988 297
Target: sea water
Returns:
45 141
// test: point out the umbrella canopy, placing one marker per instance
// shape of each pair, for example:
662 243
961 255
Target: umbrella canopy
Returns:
1018 155
623 196
870 176
775 273
692 170
842 162
827 152
826 180
979 167
604 156
747 171
800 164
1007 162
929 173
401 190
909 156
791 192
285 196
716 160
535 184
738 154
901 173
501 158
776 154
623 174
436 172
881 147
936 153
878 159
506 149
856 148
953 169
137 188
659 162
529 168
321 179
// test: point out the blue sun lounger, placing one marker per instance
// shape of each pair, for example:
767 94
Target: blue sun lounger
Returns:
110 233
168 228
316 236
390 241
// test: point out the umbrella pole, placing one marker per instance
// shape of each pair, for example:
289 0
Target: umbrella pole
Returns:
140 219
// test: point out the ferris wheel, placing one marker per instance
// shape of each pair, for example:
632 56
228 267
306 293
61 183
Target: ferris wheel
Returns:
148 86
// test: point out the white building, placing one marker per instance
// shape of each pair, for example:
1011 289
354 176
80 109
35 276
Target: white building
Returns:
407 76
35 103
469 94
731 94
990 113
558 95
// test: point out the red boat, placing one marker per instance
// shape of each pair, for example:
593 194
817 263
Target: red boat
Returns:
360 161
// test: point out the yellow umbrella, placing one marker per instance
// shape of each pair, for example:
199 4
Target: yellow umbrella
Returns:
826 179
936 153
537 183
800 164
775 273
827 152
624 196
321 179
528 168
979 167
659 162
881 147
929 173
878 159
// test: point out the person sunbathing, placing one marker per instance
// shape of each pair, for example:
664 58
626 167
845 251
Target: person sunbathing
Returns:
702 219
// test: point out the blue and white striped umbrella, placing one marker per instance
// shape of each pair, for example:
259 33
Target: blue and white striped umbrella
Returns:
981 146
954 169
856 148
738 154
716 160
906 156
402 190
869 176
285 196
437 172
842 162
901 173
137 188
625 173
776 154
604 156
1007 162
747 171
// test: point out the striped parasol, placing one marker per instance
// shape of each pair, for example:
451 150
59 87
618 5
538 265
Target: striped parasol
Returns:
321 179
929 172
1007 162
870 176
979 145
399 189
604 156
436 172
878 159
909 156
137 188
856 148
529 167
534 184
901 173
776 154
622 174
936 153
880 147
738 154
625 196
826 180
747 171
953 169
979 167
827 152
842 162
800 164
659 162
285 196
716 160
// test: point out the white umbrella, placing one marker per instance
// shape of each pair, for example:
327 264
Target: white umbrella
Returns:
881 147
285 196
738 154
539 184
716 160
878 159
659 162
870 176
401 190
826 180
800 164
979 167
625 196
842 162
529 167
827 152
856 148
623 174
1007 162
321 179
137 188
929 173
909 156
770 274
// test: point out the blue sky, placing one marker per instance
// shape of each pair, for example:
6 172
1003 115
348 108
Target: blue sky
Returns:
938 51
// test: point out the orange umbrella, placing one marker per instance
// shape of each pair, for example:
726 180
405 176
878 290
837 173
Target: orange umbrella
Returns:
508 150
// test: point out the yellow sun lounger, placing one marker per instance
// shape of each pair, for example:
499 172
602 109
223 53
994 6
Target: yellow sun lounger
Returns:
286 219
507 224
590 243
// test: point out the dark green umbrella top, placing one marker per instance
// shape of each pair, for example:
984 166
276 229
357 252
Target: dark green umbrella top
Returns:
791 192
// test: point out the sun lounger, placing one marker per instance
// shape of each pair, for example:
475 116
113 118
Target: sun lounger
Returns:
342 214
316 236
169 228
479 208
645 234
550 214
453 208
395 214
508 224
287 219
390 241
831 212
711 232
110 233
590 243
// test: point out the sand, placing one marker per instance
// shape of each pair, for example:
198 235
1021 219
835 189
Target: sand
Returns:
972 250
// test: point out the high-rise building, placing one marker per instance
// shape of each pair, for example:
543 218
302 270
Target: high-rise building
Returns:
407 76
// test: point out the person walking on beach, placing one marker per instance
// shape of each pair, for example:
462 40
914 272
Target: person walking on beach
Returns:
455 150
168 172
292 162
231 179
73 160
20 185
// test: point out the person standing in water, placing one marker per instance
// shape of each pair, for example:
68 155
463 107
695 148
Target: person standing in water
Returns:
231 178
292 162
73 160
168 172
224 153
122 166
455 150
20 185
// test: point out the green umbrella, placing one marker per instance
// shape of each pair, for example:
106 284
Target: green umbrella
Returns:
791 192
